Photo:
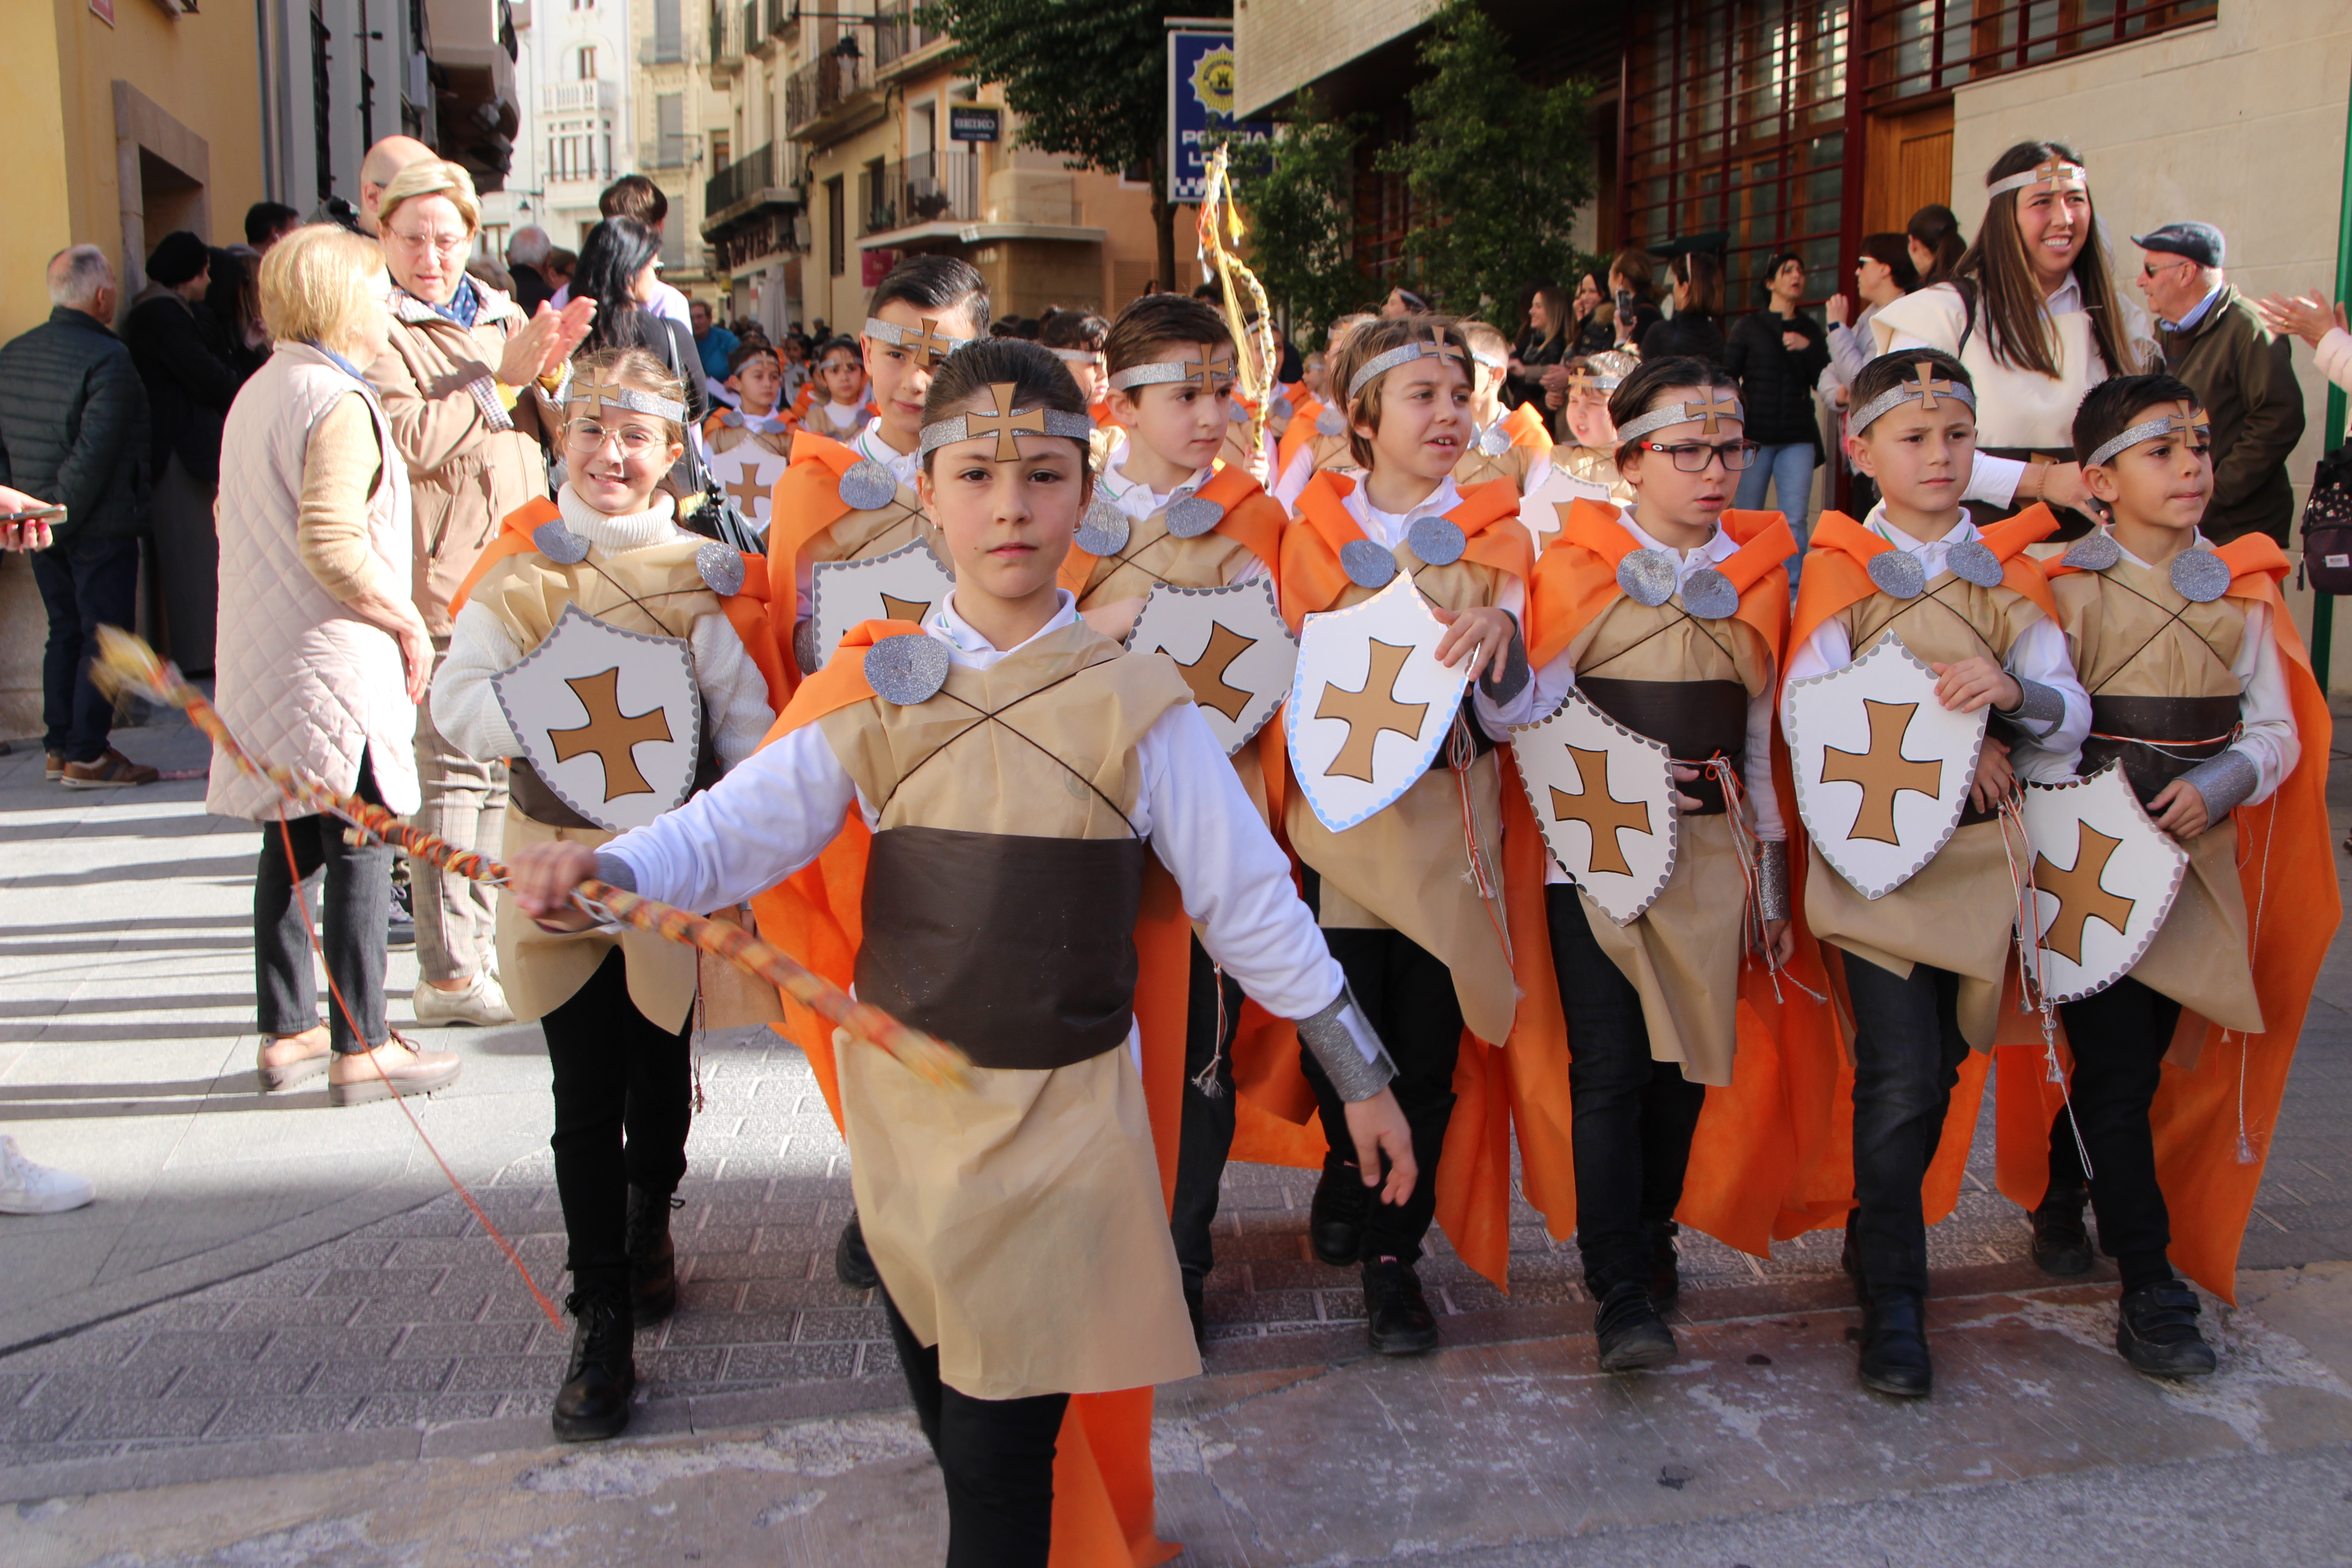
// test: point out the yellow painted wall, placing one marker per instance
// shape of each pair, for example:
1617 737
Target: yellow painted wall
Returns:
32 176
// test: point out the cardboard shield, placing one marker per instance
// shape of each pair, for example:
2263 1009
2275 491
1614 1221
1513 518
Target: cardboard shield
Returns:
907 584
747 472
1542 507
2104 876
1604 800
611 719
1233 647
1883 769
1370 704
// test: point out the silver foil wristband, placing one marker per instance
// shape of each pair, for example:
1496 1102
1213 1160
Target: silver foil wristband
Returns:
2225 782
2040 708
1772 879
1501 688
611 867
1345 1047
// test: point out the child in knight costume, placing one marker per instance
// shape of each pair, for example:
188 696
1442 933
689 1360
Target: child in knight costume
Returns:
1590 452
1508 443
840 408
615 1008
1020 773
1413 917
1165 516
1923 964
757 380
855 500
1670 617
2198 684
1311 447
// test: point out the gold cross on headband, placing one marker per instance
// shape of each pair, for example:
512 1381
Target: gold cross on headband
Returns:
1728 407
2190 422
2053 169
1207 372
595 394
930 342
1927 387
1002 423
1438 346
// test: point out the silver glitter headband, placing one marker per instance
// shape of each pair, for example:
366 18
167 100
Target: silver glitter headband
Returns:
1928 390
2185 422
608 394
2053 172
930 340
1435 346
1004 424
1170 371
1077 356
1490 361
1707 408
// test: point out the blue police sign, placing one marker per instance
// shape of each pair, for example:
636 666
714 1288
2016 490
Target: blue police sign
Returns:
1201 104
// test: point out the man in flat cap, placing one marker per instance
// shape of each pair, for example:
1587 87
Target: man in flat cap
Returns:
2213 341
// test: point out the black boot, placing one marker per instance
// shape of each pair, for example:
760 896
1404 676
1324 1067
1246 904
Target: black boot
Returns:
1894 1345
652 1259
2061 1244
851 1265
1335 1221
1665 1276
2157 1331
1849 1256
1397 1317
593 1403
1629 1332
1196 1307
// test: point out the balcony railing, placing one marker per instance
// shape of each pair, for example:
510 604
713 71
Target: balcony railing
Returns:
930 187
725 35
822 86
896 37
578 96
768 168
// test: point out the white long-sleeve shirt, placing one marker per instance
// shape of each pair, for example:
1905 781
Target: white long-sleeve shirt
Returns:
2332 355
774 814
1557 678
481 646
2038 655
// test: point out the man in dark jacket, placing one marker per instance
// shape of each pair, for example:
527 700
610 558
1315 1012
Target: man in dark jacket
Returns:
2213 341
182 355
73 429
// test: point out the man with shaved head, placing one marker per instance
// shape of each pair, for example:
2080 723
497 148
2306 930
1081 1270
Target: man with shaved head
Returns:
384 161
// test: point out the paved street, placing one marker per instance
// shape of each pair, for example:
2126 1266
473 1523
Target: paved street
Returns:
279 1337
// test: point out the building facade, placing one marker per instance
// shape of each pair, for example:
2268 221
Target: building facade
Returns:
577 134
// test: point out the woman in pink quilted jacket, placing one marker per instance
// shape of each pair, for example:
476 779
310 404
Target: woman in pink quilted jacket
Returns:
323 659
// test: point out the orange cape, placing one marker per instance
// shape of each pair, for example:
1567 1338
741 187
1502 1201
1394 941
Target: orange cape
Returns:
746 611
2286 867
1102 1469
1306 409
1774 1116
1524 426
803 504
1252 519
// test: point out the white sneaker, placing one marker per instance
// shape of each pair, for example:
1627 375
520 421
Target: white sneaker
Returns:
27 1188
481 1004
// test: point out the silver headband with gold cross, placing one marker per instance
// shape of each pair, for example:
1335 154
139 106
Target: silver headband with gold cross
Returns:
1003 423
927 340
1709 408
1217 367
1437 345
605 392
1928 390
2184 421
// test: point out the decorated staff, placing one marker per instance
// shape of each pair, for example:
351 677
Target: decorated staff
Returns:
1021 791
1913 629
2203 701
1252 326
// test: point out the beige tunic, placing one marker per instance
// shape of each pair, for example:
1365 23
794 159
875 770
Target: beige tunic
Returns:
2134 635
1683 954
1960 911
1512 463
1018 1226
658 591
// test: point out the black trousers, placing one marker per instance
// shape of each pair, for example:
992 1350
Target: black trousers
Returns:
352 885
1407 995
1634 1116
623 1103
1205 1135
85 583
2119 1037
995 1455
1907 1050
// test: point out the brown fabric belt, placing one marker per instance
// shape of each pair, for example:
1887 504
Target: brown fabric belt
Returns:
1696 719
2192 727
1020 949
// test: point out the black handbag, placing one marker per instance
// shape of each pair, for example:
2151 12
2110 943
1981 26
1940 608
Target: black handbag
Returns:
2327 524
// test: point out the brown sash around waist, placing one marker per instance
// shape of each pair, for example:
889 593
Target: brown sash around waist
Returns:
1696 719
1020 949
2192 729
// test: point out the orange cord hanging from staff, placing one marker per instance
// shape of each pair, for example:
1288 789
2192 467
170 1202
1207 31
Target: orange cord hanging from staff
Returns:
1256 370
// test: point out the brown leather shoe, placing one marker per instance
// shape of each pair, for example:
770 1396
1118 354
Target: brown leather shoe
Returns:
108 771
292 1059
53 765
393 1068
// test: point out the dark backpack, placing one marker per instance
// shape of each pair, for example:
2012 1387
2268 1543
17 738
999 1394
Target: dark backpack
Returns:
2327 524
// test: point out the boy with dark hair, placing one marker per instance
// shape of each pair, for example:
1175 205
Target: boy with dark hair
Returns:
1076 338
2200 691
750 443
839 407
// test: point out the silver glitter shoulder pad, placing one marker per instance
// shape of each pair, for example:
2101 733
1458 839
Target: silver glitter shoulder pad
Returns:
2093 552
867 486
1191 516
1970 562
1103 529
1350 1055
721 566
1708 595
1898 573
1367 564
2225 782
1330 422
559 543
1648 577
907 669
1439 540
2199 575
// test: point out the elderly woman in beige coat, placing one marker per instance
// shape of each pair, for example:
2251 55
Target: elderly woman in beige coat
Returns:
462 378
322 660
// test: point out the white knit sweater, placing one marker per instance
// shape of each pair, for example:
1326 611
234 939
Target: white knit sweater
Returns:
734 694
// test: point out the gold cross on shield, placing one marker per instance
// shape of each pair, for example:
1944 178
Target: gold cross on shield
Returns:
747 491
612 734
2081 898
1601 812
1369 711
1883 771
1004 422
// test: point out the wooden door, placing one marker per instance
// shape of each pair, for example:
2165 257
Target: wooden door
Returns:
1906 165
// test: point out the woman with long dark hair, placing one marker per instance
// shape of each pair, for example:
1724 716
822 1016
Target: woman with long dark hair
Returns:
1934 244
1543 341
1696 326
620 264
1632 297
2033 310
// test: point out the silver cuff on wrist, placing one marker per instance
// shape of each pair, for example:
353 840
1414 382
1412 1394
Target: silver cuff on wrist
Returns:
1501 688
2224 782
1341 1036
611 867
1772 879
2040 708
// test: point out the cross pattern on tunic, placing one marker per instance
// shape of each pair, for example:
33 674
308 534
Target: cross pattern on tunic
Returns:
1369 711
612 734
1710 407
1206 674
1927 387
1883 771
2081 899
1600 811
1004 422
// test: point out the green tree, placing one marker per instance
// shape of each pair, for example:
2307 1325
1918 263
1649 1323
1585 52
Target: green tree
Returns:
1296 195
1090 81
1497 167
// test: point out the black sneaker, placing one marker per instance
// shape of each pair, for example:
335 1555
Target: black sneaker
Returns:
1397 1319
1666 1275
593 1403
1335 1221
653 1257
2157 1331
851 1265
1628 1331
2061 1246
1894 1346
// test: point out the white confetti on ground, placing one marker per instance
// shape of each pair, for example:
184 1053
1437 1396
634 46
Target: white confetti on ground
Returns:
816 1448
791 1508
